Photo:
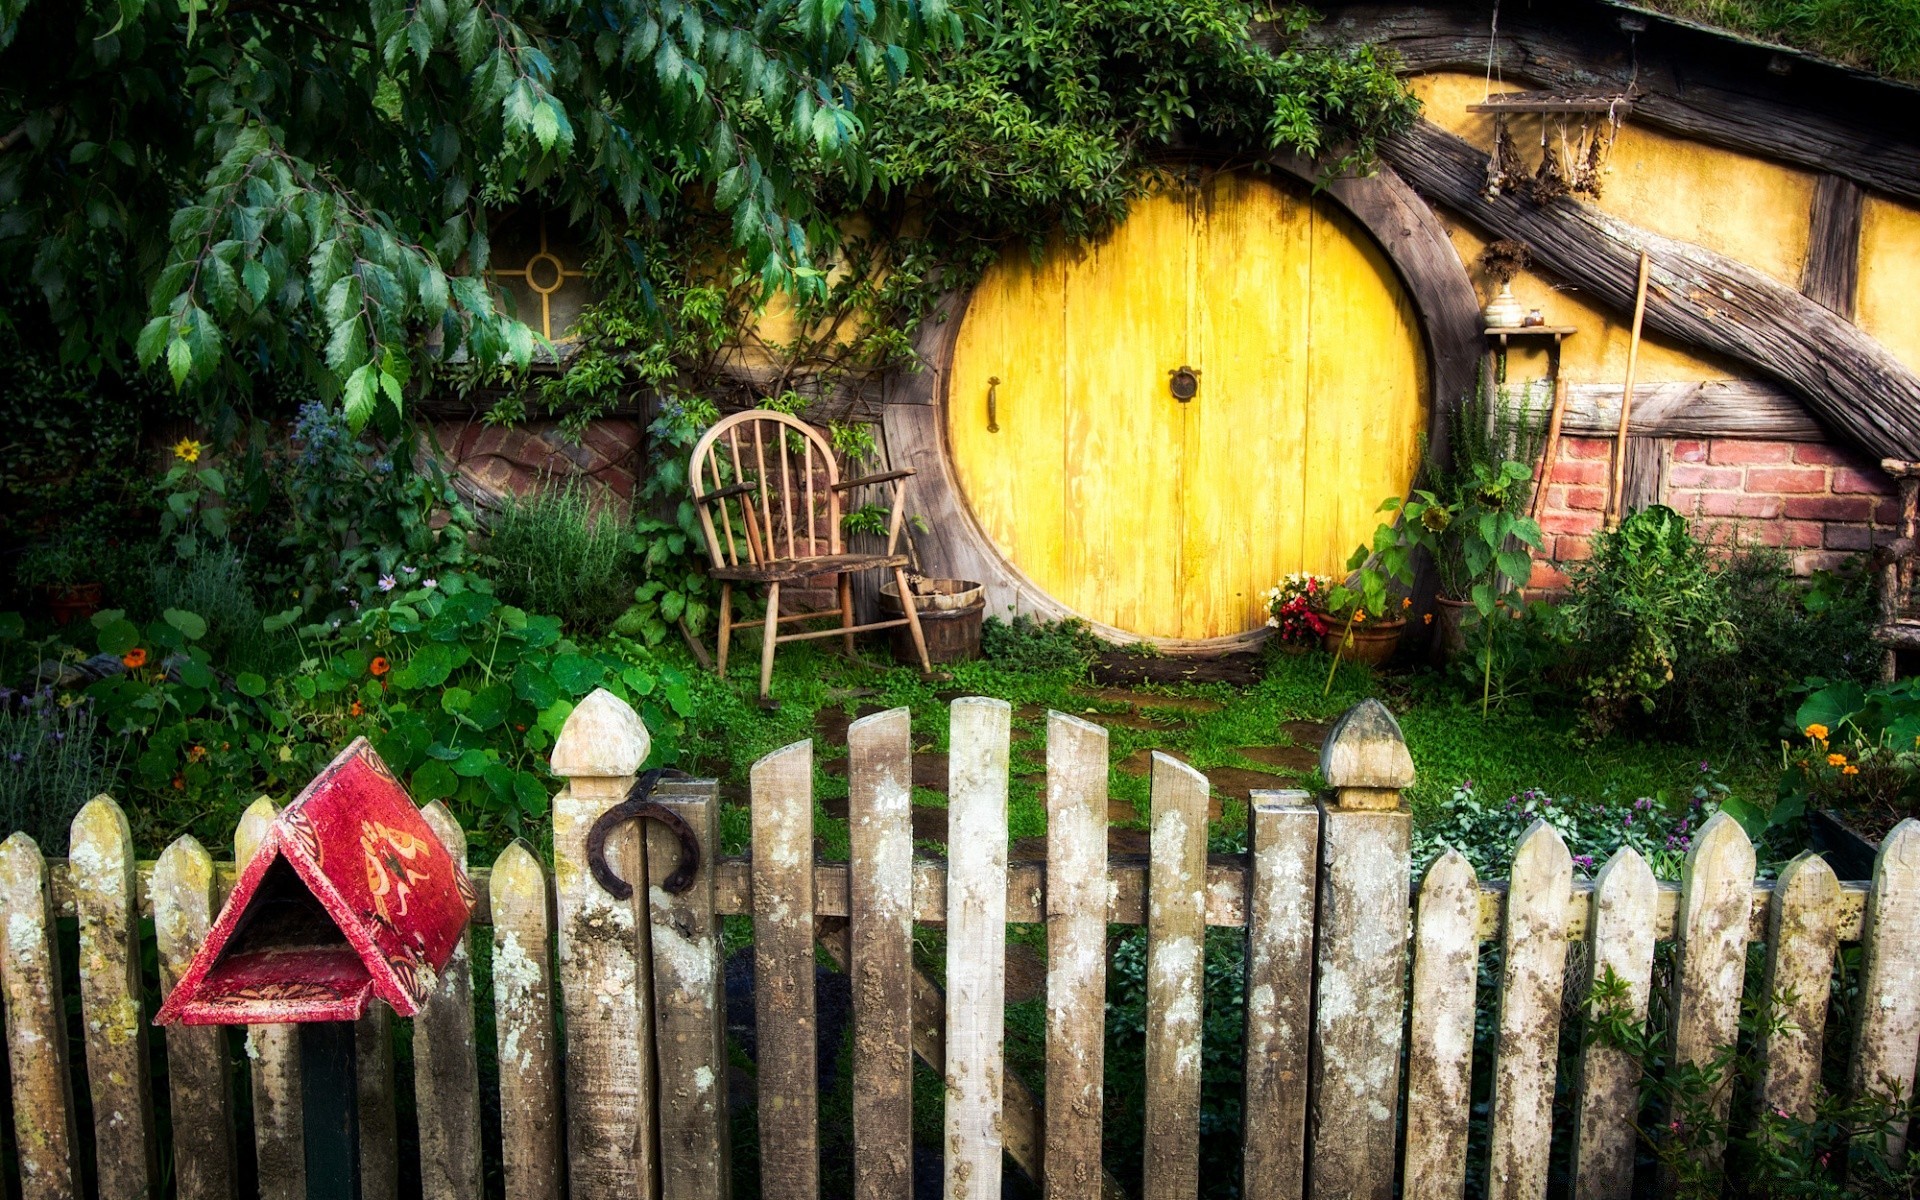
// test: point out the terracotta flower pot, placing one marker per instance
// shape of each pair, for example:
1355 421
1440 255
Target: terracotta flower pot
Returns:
70 602
1370 642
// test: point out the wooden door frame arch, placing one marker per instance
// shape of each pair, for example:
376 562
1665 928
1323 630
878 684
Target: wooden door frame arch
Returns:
914 414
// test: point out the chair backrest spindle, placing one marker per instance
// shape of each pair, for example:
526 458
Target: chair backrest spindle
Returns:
769 523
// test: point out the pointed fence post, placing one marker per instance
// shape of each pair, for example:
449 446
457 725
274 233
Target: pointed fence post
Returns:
1361 960
1532 980
1710 974
1620 927
274 1052
49 1146
197 1082
1888 1036
101 866
604 995
530 1115
1446 972
446 1076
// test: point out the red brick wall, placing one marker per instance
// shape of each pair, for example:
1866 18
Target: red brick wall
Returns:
516 458
1818 502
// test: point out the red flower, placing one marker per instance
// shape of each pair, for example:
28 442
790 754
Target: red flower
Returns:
135 658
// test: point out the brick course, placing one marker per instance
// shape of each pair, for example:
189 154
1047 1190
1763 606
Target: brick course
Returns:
1822 503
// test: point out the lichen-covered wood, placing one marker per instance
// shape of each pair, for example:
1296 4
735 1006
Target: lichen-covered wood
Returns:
1888 1041
1800 947
1176 977
1620 937
531 1121
446 1080
1076 955
46 1141
198 1088
1440 1057
1532 974
976 945
880 934
1283 841
785 1021
100 855
1710 973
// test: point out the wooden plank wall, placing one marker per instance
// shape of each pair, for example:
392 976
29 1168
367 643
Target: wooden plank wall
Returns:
1323 919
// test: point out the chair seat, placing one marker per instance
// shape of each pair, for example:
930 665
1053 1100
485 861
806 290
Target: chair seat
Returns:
787 570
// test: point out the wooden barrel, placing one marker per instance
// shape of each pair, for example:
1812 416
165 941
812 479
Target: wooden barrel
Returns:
952 633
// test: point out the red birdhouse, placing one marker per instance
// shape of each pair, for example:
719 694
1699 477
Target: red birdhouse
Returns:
350 896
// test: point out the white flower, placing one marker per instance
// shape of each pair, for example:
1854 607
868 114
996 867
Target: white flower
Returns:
429 583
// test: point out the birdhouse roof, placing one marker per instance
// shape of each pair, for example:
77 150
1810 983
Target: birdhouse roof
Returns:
349 896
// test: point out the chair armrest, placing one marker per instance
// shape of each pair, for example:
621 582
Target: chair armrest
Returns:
726 493
869 480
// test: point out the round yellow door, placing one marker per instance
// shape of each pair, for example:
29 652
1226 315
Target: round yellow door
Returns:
1166 517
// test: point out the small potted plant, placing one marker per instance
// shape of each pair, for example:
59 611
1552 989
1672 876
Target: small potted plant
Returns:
1294 611
1366 613
1503 259
63 575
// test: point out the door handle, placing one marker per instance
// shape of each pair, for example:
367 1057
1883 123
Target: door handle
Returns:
993 404
1184 382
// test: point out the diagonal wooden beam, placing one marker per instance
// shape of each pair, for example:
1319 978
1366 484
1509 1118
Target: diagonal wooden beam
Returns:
1849 381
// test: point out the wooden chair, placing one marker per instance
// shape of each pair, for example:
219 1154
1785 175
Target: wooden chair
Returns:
768 493
1899 627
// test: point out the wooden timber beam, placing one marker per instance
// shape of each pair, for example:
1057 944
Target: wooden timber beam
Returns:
1832 273
1849 381
1687 79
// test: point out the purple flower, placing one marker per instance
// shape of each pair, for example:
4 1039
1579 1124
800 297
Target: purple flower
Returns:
405 570
388 583
430 583
1628 820
1583 861
354 605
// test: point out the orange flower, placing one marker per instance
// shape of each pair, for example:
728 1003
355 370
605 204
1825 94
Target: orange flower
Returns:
1428 619
1359 615
355 709
179 783
1817 732
1836 760
1849 769
135 658
1406 602
379 665
196 753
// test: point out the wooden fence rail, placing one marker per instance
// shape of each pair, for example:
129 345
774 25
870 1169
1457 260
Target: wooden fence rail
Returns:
1332 927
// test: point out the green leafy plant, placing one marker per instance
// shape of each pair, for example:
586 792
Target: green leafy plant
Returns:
1649 597
52 761
1856 749
553 552
1026 644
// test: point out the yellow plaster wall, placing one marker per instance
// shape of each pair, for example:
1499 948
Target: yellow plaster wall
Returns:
1746 208
1888 302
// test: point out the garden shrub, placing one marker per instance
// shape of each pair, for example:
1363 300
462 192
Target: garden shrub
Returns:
1650 598
1856 749
213 582
552 552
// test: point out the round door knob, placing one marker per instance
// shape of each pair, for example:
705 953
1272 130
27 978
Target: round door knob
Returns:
1184 382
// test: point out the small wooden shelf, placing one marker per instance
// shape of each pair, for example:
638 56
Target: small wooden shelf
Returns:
1556 332
1499 335
1554 102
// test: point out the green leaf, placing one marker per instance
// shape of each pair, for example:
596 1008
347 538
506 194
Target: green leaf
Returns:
118 636
179 361
1831 706
471 763
12 625
577 674
192 626
531 793
489 706
434 780
250 684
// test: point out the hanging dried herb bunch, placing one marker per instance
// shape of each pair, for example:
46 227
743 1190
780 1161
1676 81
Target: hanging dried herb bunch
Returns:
1505 258
1574 147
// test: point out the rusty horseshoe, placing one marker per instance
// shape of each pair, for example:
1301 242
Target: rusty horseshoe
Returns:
638 806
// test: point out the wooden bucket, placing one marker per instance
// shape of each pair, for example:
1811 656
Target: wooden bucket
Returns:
951 612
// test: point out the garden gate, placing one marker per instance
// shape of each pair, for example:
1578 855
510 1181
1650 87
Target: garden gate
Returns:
1322 894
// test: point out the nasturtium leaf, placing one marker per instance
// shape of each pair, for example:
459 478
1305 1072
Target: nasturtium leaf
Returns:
250 684
531 792
434 780
192 625
499 780
471 763
535 686
455 699
489 705
118 637
576 673
194 674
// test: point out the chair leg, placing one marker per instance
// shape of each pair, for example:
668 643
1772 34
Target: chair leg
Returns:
846 610
726 629
913 619
768 641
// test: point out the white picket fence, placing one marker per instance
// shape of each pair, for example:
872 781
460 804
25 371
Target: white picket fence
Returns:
1322 894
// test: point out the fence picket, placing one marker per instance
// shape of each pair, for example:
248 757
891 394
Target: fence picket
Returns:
48 1144
609 1071
446 1076
279 1141
976 944
1440 1052
1532 979
1620 939
1711 948
1889 1033
101 858
1283 837
784 1021
1176 965
690 1026
1360 957
530 1116
379 1124
1801 942
197 1085
1076 955
880 934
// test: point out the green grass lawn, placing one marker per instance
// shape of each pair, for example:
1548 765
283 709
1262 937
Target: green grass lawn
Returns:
1209 726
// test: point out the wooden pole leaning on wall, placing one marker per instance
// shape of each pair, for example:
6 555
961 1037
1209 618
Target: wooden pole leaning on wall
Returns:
1617 489
604 995
1361 958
